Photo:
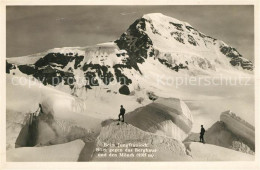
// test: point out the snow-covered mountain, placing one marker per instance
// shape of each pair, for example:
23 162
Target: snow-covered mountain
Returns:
150 43
178 45
80 87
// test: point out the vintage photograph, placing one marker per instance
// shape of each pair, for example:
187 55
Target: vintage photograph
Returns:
130 83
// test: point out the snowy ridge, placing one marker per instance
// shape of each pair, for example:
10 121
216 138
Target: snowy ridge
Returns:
71 50
29 59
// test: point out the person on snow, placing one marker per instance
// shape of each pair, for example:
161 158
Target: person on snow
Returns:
202 132
40 106
38 112
122 113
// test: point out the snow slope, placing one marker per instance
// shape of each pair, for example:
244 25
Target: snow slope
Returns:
67 152
166 149
207 152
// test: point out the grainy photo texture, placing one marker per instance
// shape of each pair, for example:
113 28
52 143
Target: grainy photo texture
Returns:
130 83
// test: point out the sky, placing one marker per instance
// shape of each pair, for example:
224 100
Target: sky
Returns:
33 29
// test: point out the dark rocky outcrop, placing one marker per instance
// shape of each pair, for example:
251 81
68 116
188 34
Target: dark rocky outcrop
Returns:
236 58
136 42
9 67
124 90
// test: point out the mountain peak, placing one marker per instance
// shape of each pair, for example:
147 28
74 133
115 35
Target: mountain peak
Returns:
159 17
153 15
166 38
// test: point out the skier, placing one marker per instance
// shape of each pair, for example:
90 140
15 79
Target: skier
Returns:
122 113
202 131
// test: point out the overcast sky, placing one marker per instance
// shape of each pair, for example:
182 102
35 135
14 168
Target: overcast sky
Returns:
35 29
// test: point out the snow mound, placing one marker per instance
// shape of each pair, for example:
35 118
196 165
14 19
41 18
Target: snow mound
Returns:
63 115
167 149
166 116
207 152
239 127
67 152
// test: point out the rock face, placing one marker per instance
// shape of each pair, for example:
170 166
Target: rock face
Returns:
113 136
230 132
168 117
236 57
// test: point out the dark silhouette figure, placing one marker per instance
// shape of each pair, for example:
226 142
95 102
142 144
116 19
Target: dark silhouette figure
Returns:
35 113
202 132
40 107
122 113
